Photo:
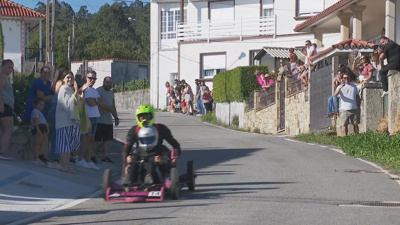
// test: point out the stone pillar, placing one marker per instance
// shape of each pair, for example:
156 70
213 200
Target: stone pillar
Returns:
344 25
371 107
318 33
390 17
357 20
394 95
256 100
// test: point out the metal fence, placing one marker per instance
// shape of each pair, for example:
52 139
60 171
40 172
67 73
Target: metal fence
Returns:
295 85
133 85
267 97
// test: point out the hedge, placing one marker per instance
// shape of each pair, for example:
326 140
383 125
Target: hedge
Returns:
236 85
132 86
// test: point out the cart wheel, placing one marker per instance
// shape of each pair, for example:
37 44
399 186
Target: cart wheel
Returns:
190 172
106 181
174 190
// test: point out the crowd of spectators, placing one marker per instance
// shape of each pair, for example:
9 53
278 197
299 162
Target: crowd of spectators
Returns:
77 119
180 98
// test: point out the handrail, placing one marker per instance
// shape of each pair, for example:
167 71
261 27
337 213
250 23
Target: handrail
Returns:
240 27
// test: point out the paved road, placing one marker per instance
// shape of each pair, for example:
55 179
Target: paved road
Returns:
251 179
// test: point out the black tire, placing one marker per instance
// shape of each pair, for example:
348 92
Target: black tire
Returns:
107 181
174 190
190 172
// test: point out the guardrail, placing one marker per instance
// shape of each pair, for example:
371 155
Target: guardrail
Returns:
267 96
238 28
295 85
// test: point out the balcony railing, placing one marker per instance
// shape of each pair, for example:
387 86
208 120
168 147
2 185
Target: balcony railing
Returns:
32 53
238 28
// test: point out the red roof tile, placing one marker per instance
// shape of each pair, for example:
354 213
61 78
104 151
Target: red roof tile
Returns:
12 9
322 14
347 44
113 59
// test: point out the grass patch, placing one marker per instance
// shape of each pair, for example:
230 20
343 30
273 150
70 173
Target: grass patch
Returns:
379 148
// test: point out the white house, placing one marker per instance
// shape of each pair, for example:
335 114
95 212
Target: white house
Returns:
365 20
18 23
121 70
221 35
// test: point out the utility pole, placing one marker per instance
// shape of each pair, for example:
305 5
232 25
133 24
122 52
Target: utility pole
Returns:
47 32
182 20
69 54
73 38
53 22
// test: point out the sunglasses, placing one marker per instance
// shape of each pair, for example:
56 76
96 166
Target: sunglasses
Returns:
345 77
92 78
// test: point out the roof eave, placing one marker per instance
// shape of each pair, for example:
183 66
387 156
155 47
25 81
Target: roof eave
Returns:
327 14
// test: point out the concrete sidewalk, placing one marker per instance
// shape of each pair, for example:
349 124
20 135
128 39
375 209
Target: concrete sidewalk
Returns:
27 189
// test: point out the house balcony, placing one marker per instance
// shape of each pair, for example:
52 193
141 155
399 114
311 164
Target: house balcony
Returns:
226 29
33 53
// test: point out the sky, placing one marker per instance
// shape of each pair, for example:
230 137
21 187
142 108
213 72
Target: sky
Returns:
92 5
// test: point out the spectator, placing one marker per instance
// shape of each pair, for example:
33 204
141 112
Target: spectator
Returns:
54 89
183 102
92 96
364 68
188 97
199 100
40 131
6 108
292 56
66 121
173 102
40 88
333 101
375 63
311 51
104 131
391 52
207 100
349 101
169 90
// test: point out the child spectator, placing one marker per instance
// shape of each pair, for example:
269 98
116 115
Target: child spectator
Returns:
207 99
40 131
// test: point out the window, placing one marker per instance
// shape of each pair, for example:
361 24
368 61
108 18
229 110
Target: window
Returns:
169 20
268 13
172 77
254 62
309 7
212 64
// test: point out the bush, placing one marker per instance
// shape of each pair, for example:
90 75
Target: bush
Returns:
132 86
22 84
235 121
380 148
210 118
237 84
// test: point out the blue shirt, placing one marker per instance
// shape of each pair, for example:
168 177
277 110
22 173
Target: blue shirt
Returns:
38 85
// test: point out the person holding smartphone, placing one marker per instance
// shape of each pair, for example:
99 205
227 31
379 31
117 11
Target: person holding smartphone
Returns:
350 101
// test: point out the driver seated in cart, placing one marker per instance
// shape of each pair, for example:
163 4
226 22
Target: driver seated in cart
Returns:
149 137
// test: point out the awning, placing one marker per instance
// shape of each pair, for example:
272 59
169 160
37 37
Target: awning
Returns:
278 52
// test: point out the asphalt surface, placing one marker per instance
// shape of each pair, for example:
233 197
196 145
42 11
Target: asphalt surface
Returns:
247 178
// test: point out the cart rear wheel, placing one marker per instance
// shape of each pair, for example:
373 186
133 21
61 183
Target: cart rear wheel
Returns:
190 172
174 190
107 181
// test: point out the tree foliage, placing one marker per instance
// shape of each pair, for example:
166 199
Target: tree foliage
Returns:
105 34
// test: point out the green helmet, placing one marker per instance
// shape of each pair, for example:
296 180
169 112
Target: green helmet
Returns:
143 110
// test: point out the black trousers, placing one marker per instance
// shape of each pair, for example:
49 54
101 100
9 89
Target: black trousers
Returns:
384 74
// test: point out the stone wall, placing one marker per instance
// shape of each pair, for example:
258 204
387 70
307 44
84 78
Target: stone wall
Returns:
265 120
297 114
131 100
226 111
371 107
394 96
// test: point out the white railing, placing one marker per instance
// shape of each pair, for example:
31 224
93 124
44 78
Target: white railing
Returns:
239 28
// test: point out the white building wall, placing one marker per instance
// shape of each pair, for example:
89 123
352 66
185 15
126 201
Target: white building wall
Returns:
12 42
247 8
237 53
397 22
154 51
102 68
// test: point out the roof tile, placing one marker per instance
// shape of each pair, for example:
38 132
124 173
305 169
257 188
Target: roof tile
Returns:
347 44
12 9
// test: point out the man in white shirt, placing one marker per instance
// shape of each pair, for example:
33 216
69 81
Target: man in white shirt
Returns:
87 143
311 50
350 101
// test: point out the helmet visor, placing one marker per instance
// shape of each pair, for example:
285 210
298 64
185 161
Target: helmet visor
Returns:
145 116
147 140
